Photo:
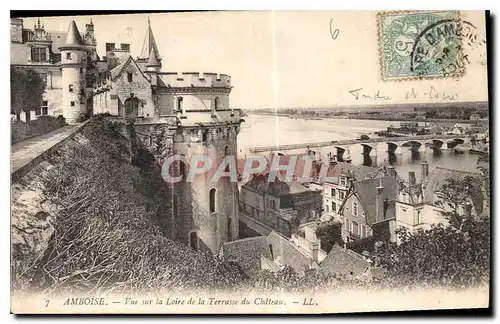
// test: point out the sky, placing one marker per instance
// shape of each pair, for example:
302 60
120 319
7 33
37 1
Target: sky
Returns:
284 59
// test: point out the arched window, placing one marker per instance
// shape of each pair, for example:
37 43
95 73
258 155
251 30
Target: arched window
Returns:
193 240
179 104
131 107
212 200
227 151
229 229
216 103
355 228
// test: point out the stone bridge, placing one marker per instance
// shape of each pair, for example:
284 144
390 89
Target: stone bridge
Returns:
394 144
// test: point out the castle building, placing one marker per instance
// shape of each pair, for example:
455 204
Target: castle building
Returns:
64 60
172 113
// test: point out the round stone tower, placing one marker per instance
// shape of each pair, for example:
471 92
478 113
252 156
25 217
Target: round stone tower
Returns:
73 64
205 209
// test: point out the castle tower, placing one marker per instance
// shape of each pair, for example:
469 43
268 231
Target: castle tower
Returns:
153 66
193 110
74 66
206 215
149 44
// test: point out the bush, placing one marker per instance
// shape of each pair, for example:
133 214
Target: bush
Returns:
39 126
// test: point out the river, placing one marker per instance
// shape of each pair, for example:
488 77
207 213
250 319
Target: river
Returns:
261 130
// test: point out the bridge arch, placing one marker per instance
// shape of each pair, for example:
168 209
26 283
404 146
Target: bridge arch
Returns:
415 146
454 142
393 148
368 148
435 144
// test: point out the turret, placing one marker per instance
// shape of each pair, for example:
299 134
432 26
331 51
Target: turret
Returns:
153 67
74 65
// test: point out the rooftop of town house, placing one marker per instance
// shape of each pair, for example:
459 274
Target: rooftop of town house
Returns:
247 253
358 172
340 261
366 192
274 247
278 188
439 176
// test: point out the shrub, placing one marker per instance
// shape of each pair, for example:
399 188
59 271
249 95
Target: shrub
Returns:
39 126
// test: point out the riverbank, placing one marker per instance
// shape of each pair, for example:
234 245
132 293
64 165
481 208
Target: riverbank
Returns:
379 118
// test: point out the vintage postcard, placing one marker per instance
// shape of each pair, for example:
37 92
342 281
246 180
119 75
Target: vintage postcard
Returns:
267 162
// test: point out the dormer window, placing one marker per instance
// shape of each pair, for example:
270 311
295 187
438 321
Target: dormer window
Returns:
39 54
68 55
343 181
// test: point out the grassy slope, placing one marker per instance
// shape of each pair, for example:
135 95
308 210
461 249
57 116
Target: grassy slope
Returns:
106 237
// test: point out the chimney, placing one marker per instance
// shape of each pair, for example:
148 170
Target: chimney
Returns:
391 171
425 170
315 251
411 178
379 202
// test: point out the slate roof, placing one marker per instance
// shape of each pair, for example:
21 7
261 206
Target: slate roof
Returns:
260 183
247 253
286 253
341 262
58 39
117 70
366 191
359 172
19 53
73 36
153 59
437 178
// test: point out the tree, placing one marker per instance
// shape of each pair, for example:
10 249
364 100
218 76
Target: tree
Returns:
456 255
329 234
484 166
26 90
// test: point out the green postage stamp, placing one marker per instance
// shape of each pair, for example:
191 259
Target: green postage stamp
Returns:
420 44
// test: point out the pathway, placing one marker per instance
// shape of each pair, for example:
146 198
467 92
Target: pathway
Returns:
24 152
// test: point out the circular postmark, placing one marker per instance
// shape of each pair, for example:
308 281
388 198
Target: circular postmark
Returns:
439 49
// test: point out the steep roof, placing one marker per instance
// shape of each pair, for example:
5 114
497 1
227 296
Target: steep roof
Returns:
286 253
247 253
149 44
343 262
118 70
73 36
439 176
360 172
153 59
366 191
58 40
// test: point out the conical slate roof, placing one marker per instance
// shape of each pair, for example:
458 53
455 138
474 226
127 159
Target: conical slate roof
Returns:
73 36
153 59
149 44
